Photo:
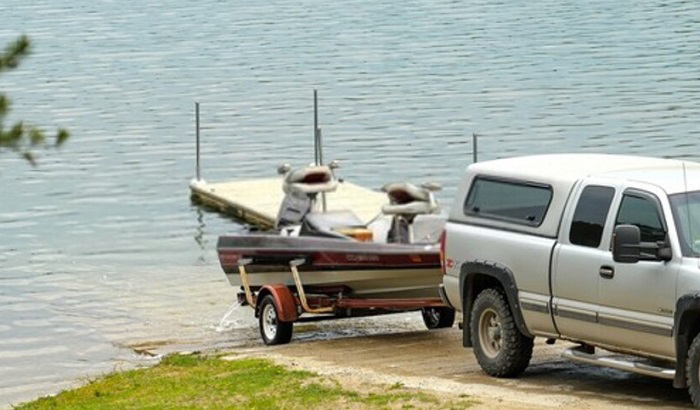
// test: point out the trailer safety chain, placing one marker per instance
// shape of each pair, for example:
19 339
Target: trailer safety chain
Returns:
244 281
300 289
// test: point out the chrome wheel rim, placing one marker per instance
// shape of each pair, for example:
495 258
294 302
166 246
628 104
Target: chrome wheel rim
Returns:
269 321
490 333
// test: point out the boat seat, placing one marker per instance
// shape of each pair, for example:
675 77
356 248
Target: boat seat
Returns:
408 199
327 223
310 180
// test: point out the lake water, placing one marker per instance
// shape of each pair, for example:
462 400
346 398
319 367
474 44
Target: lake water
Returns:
100 247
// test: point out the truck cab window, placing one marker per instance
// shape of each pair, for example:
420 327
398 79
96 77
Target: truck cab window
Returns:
643 212
589 217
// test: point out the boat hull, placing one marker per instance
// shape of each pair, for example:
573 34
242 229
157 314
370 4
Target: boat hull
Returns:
334 266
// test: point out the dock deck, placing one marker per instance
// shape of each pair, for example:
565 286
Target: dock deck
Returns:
257 201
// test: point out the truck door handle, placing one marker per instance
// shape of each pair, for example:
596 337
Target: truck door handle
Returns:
607 272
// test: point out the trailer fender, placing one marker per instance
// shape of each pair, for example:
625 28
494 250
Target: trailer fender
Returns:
284 300
472 274
686 326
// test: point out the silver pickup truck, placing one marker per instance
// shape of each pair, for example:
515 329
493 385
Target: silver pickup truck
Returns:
601 250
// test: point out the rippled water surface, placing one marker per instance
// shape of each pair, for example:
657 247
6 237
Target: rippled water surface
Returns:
100 248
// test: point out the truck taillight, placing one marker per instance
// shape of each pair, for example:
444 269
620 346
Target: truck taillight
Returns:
443 239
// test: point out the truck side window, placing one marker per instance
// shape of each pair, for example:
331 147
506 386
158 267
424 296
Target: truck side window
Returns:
589 217
513 201
642 211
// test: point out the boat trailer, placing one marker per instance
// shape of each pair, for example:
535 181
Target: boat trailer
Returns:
279 306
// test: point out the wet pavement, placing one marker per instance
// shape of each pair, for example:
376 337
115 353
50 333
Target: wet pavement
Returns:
436 360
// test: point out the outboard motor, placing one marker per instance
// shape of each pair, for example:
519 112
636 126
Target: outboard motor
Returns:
301 187
406 201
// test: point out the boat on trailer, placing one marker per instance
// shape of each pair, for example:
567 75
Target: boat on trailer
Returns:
321 265
333 266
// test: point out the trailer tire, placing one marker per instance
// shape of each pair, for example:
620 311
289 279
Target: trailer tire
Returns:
272 330
499 346
693 371
438 317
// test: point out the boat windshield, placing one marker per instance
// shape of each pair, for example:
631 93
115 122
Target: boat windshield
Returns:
686 213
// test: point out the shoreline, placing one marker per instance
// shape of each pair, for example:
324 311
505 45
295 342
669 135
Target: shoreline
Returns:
434 362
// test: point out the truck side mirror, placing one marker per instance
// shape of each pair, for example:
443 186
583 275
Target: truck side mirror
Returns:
628 247
626 244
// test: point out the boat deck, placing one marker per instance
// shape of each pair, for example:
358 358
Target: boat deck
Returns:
257 201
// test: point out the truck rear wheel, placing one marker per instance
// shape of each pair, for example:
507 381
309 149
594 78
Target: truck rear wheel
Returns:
693 371
499 347
272 330
438 317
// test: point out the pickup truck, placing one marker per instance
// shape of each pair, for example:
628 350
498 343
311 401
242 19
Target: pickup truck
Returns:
601 250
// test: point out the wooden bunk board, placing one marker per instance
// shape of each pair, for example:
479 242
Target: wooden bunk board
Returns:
257 201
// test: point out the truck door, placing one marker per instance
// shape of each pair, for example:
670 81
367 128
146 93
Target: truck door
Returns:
637 300
577 260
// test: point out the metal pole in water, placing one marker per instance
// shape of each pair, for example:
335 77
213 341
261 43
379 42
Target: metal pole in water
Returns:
474 146
320 162
196 115
318 145
315 127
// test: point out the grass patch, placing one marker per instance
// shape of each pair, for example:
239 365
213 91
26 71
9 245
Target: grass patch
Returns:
193 382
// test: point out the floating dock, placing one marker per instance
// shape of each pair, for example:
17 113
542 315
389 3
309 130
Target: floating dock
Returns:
257 201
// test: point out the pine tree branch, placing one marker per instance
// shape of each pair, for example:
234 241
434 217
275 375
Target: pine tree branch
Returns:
20 137
14 53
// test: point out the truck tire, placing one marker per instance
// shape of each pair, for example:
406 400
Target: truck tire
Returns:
272 330
693 371
438 317
499 347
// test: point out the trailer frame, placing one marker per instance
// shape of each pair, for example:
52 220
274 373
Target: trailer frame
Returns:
291 303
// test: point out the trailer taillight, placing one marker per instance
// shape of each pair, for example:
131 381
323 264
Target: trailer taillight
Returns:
443 239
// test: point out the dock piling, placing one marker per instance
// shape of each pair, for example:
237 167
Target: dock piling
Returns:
196 116
318 145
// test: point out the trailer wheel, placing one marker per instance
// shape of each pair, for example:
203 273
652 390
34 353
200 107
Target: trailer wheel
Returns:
693 371
438 317
272 330
499 347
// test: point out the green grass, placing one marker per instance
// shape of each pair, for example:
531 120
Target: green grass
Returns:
193 382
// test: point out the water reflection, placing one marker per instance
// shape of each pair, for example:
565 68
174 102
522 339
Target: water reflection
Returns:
199 233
